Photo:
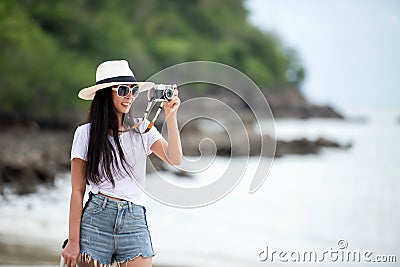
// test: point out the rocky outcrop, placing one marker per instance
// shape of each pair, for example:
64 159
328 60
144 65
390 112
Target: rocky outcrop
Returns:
223 146
29 157
288 102
304 146
305 112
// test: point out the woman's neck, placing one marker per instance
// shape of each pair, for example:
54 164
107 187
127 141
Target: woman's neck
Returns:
120 127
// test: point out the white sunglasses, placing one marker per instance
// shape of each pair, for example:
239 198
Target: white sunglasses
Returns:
124 90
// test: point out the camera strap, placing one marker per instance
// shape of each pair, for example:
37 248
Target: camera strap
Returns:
146 113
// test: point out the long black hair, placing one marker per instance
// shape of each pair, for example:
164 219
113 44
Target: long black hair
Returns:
101 156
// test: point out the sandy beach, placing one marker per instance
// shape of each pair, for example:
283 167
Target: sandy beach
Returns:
30 255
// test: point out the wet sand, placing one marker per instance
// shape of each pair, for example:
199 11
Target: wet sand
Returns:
28 255
13 254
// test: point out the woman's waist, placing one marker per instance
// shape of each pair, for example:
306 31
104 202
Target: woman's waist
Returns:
121 191
112 200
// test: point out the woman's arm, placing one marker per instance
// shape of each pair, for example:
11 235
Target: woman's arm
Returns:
71 251
171 151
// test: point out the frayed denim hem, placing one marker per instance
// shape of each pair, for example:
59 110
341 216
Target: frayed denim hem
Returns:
118 263
85 257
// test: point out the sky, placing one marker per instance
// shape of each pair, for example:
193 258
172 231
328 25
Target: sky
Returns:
350 49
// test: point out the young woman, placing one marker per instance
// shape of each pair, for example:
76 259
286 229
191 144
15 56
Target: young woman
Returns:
112 227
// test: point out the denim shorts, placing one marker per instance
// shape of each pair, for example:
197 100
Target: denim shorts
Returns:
113 231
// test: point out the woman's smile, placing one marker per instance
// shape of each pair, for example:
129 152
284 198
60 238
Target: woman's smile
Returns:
126 104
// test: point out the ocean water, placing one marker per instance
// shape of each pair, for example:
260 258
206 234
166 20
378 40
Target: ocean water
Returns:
331 204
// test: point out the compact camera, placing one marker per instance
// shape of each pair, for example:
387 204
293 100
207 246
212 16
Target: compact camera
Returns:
161 93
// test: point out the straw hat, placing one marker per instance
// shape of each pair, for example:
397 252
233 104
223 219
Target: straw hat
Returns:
111 73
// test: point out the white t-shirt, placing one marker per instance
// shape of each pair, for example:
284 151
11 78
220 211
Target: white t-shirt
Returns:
126 183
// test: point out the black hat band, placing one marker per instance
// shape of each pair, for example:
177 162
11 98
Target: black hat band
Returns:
127 79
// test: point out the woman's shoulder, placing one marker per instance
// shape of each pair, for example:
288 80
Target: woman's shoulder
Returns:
84 128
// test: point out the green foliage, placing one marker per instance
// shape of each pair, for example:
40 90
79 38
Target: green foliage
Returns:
49 49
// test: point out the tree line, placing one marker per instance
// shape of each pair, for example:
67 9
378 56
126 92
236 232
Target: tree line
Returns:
49 49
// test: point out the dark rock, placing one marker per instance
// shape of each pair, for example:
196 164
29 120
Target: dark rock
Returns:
322 142
304 146
300 146
24 179
30 157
